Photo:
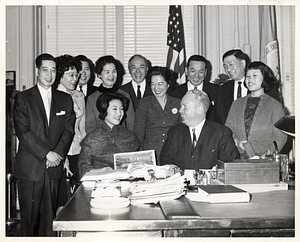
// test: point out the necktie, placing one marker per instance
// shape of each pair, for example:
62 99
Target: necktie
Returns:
139 94
239 90
80 88
194 137
195 88
48 105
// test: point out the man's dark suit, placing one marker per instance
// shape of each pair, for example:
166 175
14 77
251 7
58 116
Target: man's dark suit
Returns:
226 96
215 142
90 89
37 138
129 89
210 89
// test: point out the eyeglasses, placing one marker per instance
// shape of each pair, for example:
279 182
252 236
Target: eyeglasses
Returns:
72 74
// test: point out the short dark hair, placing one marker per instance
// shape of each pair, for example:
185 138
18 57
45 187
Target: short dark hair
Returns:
238 54
41 57
104 99
197 58
81 58
169 76
269 79
102 61
64 63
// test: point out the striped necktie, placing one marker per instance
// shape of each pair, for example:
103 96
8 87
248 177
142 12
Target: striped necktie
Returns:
194 137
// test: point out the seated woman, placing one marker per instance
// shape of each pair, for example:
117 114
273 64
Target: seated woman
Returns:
99 146
157 113
107 70
252 118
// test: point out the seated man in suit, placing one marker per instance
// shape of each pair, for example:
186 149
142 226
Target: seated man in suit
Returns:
235 62
138 88
197 143
196 71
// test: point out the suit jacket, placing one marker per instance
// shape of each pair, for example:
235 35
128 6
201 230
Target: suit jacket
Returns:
36 137
129 89
210 89
215 142
225 99
90 90
152 122
263 132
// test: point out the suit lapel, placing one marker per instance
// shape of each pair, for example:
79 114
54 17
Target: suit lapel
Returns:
134 97
205 132
232 91
36 95
148 91
187 137
54 103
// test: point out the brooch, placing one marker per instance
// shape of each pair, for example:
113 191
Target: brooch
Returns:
174 110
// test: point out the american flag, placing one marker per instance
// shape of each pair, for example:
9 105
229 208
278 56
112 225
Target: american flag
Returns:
176 59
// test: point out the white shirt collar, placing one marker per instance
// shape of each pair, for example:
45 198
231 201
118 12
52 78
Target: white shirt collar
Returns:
84 88
142 88
190 86
44 92
244 89
62 88
198 129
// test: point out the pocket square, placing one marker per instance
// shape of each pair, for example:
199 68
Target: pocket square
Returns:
61 113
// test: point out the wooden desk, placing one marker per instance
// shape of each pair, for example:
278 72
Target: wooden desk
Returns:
268 214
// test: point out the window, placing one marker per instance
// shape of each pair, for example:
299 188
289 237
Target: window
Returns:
120 31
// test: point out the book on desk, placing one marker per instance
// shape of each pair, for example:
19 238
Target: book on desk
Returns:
219 194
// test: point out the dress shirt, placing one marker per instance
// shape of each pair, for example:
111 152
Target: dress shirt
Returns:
190 86
46 97
198 130
142 87
84 89
244 89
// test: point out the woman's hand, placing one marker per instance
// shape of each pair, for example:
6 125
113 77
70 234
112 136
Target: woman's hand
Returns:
67 167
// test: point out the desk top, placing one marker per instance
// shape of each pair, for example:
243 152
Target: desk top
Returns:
274 209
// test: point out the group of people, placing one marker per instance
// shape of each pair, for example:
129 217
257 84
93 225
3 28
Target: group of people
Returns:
65 122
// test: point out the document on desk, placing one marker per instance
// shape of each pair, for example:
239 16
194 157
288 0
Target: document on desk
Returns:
157 190
178 209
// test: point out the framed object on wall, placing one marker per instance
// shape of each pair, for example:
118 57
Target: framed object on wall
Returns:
10 79
10 86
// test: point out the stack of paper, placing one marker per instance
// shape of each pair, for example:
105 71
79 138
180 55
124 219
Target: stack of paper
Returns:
106 189
158 190
98 174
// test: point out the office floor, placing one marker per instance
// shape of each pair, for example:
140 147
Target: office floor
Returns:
14 230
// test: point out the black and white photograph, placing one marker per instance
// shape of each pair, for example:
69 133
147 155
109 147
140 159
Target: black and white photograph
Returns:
205 86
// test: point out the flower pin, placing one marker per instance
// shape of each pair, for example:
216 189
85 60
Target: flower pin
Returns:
174 110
